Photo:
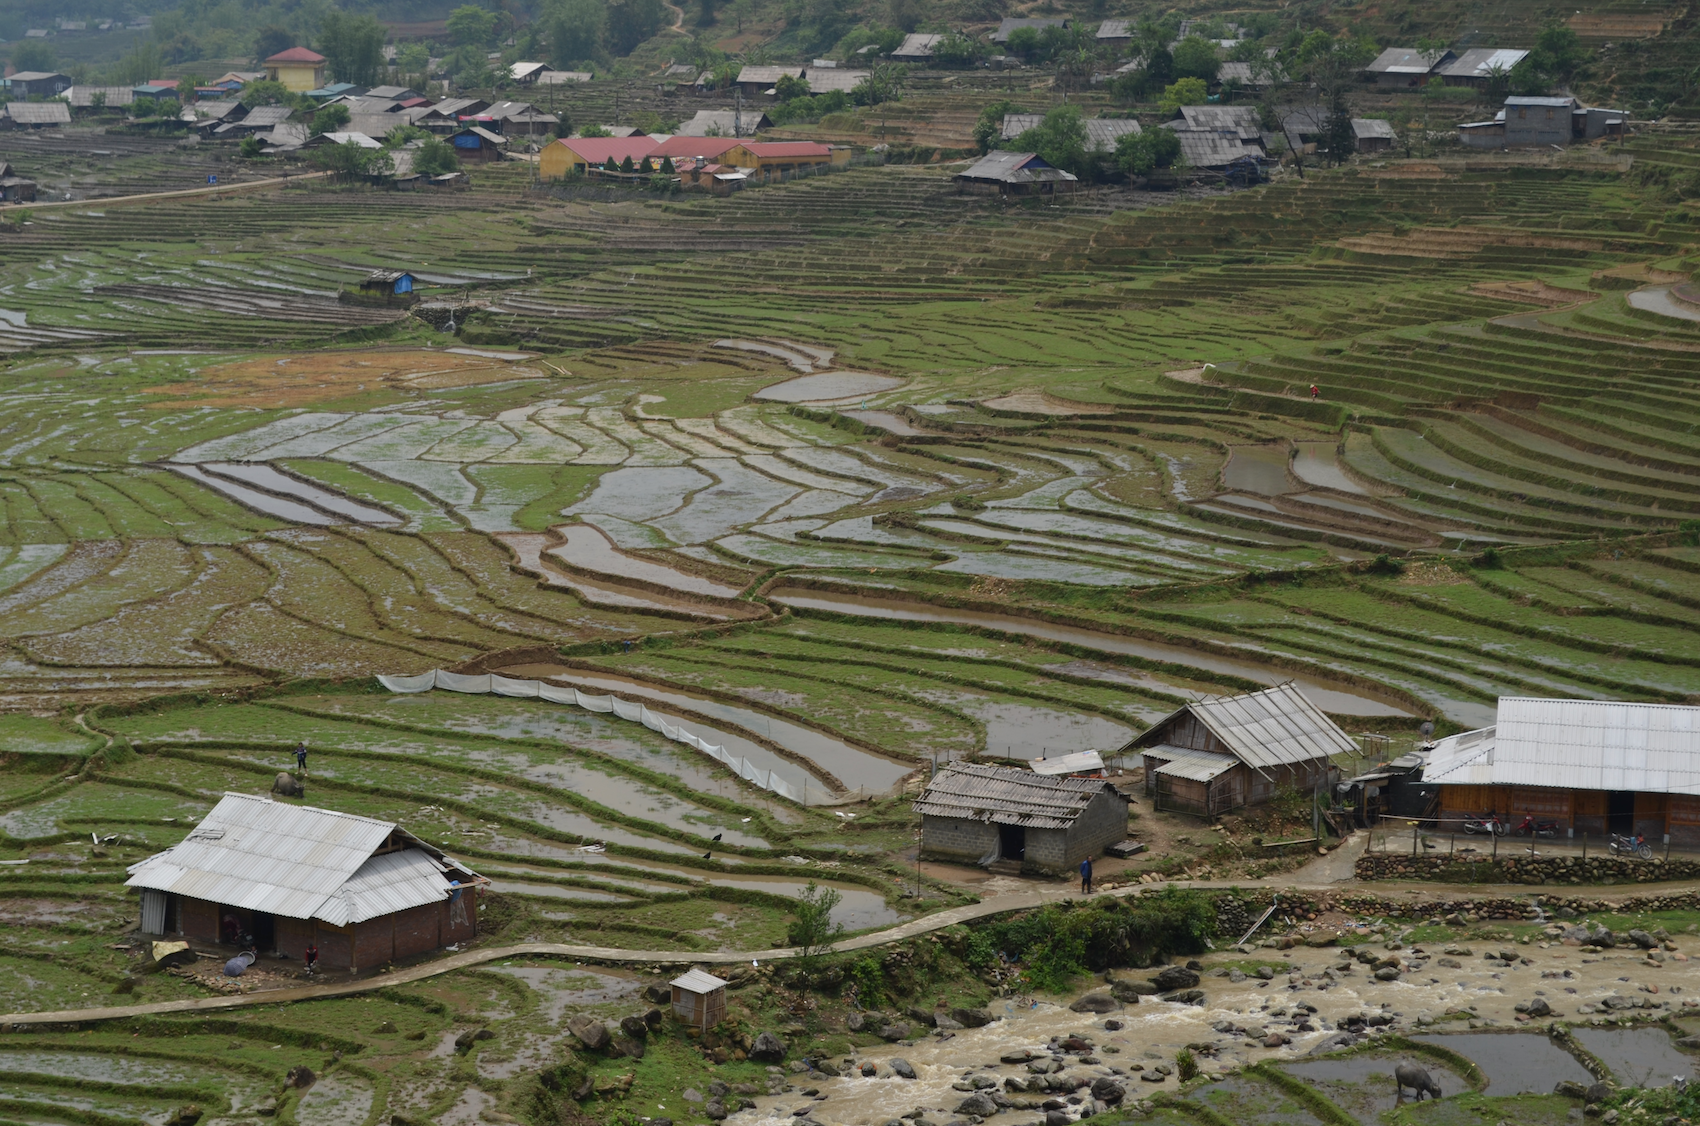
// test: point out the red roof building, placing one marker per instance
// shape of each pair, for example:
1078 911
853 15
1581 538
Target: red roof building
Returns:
296 55
693 148
571 155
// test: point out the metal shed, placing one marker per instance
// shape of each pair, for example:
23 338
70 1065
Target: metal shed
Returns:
699 999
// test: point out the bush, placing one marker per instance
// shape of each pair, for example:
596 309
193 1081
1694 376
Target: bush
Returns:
1139 153
1688 532
813 927
1186 1067
1183 92
988 130
1061 941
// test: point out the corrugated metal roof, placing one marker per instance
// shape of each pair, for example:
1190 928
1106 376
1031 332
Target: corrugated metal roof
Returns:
917 45
1005 795
264 116
1239 120
1465 759
1597 745
1068 764
39 113
1202 148
1364 128
1115 29
1013 168
297 861
823 79
1406 60
698 981
1102 133
1477 62
1184 762
1273 727
768 75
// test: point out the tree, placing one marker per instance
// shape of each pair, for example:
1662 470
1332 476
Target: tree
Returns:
625 164
403 134
813 930
1559 52
574 30
630 22
611 165
97 101
1183 92
706 17
957 49
884 83
988 130
905 15
666 165
1196 57
353 47
471 26
141 64
272 39
1498 83
788 88
594 131
647 166
1139 153
1339 135
1061 140
436 157
413 58
331 118
250 148
349 161
186 89
31 55
1023 42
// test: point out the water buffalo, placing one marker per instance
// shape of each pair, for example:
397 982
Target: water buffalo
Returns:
289 786
1414 1077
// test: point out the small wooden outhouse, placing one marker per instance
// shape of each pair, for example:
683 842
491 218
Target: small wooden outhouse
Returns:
699 999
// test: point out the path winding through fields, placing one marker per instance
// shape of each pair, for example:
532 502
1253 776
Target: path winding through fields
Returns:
997 905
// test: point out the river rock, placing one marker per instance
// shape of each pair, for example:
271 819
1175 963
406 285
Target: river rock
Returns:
1113 1025
894 1032
1170 978
1642 939
1539 1008
592 1033
657 994
1570 1089
691 1095
1186 997
1107 1090
1019 1055
1057 1118
919 1015
653 1019
1103 1002
768 1048
715 1109
1387 973
978 1104
1597 1093
972 1018
634 1027
856 1021
300 1077
901 1067
186 1116
946 1024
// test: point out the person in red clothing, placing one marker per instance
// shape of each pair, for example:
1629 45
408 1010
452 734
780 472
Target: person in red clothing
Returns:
1315 392
311 957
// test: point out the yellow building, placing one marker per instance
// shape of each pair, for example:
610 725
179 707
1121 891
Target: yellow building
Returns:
773 159
299 69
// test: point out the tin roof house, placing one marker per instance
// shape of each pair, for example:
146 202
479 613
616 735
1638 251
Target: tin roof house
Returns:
974 813
364 891
1225 752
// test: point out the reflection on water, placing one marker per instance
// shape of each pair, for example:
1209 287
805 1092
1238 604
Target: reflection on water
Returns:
1515 1064
1639 1057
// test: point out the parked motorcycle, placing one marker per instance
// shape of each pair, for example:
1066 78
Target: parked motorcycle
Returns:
1631 846
1532 828
1489 824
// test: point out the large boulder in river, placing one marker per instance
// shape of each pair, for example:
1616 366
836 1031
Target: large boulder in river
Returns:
978 1104
1100 1003
1174 977
972 1018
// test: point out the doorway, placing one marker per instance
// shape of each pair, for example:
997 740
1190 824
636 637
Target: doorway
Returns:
1012 842
1620 811
265 931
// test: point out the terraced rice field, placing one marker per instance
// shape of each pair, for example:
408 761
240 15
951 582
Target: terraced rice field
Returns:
849 476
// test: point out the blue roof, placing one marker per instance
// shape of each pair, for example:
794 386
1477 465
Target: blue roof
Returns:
333 90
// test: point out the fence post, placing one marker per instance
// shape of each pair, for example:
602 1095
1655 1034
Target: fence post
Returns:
1584 844
1495 837
1413 839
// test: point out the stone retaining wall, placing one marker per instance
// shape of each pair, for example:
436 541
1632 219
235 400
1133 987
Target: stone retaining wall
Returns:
1511 869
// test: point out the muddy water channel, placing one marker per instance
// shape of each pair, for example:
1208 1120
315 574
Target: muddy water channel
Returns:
1338 699
1320 1001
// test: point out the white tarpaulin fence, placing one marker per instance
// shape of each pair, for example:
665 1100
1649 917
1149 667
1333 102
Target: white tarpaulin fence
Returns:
624 709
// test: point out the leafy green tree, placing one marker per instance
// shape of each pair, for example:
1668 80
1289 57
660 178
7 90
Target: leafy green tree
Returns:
353 46
905 15
813 930
349 161
471 26
1183 92
667 166
1339 137
958 49
1023 43
611 165
788 88
272 39
1498 83
594 131
413 58
330 119
647 166
186 89
34 55
626 163
884 83
97 101
988 130
266 94
1196 57
574 30
250 148
1139 153
436 157
1559 52
401 135
630 22
1061 140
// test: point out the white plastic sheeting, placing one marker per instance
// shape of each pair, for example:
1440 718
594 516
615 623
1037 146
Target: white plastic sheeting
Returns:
624 709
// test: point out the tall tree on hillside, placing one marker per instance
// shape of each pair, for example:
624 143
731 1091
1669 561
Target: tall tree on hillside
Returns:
472 26
272 39
1061 140
1196 57
353 47
574 30
988 130
630 22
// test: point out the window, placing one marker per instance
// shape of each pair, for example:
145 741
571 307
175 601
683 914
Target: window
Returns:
1522 113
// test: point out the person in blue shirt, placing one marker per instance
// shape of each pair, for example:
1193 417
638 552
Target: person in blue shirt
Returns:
1086 876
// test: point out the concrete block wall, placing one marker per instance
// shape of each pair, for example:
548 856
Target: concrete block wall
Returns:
954 838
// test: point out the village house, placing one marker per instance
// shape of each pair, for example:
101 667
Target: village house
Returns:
681 146
780 160
699 999
1594 766
298 69
110 97
569 156
917 47
387 283
1478 66
364 891
38 84
973 813
1014 173
1224 752
823 80
479 145
744 122
762 79
13 187
1542 121
1401 67
35 115
1115 33
446 116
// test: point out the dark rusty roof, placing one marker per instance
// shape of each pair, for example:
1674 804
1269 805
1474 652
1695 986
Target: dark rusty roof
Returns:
1007 795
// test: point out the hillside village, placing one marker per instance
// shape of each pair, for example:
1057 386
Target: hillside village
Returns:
884 563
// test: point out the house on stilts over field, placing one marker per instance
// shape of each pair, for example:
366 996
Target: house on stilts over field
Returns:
1593 766
1225 752
974 813
365 892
